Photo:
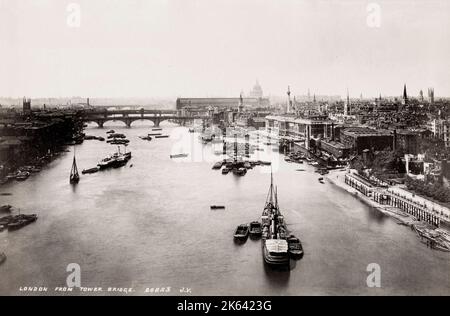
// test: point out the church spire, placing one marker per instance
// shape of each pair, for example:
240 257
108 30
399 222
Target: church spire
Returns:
288 108
405 95
241 103
347 104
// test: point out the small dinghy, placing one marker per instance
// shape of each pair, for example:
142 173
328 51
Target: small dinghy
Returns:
295 247
5 209
255 229
90 170
241 232
217 207
178 156
240 171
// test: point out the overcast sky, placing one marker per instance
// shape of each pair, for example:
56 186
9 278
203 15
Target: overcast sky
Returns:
170 48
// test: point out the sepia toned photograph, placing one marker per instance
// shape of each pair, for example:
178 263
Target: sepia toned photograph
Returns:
224 148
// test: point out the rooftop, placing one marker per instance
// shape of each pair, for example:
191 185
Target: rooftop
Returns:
335 144
365 131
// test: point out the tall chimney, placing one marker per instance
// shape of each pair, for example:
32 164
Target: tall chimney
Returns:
395 140
332 131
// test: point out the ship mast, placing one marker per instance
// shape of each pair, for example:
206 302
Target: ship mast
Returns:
276 198
270 195
235 148
74 164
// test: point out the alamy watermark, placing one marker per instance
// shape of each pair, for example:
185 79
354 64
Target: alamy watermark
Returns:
373 19
374 278
74 277
73 19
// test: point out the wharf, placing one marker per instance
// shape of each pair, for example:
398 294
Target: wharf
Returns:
434 237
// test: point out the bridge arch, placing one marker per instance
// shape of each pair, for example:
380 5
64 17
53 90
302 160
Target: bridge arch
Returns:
114 119
132 120
99 124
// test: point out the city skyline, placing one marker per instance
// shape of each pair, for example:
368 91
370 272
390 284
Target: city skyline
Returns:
304 95
170 49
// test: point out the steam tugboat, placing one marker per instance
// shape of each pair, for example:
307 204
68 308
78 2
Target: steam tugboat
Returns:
107 162
274 243
116 160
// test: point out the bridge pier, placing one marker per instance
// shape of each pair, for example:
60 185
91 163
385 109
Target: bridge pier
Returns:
100 124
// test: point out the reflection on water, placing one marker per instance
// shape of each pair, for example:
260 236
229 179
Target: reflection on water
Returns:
375 215
151 226
278 278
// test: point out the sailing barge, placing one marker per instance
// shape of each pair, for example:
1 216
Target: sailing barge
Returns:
74 175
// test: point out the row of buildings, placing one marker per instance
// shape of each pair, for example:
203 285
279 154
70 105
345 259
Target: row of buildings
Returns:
27 135
342 140
339 130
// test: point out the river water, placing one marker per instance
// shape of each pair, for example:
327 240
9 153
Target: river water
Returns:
150 226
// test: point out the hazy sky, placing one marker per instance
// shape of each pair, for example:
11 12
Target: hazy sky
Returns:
170 48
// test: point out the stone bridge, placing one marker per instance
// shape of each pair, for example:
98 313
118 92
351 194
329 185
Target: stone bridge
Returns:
128 116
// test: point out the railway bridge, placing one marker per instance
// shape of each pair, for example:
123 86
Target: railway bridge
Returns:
101 115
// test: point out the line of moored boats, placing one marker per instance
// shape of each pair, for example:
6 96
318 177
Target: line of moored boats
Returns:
116 138
115 160
155 134
278 246
238 166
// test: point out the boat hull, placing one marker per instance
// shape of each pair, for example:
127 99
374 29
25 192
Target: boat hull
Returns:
74 179
295 254
275 261
241 233
89 171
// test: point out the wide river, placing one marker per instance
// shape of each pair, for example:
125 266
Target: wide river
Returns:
151 226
